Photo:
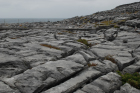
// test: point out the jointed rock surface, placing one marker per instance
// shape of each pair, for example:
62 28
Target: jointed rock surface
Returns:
53 61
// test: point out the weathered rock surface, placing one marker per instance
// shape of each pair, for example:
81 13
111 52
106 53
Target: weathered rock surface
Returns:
127 88
6 89
132 68
46 74
46 60
11 65
75 83
104 84
108 83
92 89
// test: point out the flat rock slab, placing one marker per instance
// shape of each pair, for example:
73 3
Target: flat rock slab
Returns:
127 88
132 44
92 89
74 44
123 62
108 83
75 83
46 75
37 59
108 46
102 50
89 56
132 68
79 91
50 51
105 67
6 89
26 53
11 65
78 58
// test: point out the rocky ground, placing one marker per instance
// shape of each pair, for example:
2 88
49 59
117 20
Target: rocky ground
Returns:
53 61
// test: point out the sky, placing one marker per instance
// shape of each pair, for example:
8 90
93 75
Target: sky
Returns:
55 8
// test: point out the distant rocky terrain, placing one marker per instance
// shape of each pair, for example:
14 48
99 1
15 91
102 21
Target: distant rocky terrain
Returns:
56 61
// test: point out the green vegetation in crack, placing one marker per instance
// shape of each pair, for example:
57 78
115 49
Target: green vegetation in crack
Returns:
110 58
84 41
132 79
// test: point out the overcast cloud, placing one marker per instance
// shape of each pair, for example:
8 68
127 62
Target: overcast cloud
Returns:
55 8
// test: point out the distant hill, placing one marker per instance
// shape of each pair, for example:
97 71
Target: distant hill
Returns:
119 14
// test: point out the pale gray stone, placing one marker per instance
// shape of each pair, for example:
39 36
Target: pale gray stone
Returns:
34 78
11 65
123 62
79 91
108 83
75 82
132 68
92 89
6 89
106 66
78 58
88 57
127 88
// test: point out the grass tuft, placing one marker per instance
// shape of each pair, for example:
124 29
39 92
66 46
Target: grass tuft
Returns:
110 58
50 46
107 22
93 64
13 38
60 33
84 41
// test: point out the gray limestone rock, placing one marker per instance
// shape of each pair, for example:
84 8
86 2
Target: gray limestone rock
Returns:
74 83
136 53
92 89
123 62
108 83
6 89
87 55
106 66
79 91
42 48
78 58
102 50
110 35
126 28
76 45
134 22
132 68
127 88
34 79
117 19
11 65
